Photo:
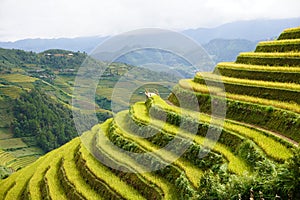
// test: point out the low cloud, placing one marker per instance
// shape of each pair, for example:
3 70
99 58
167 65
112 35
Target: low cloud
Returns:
73 18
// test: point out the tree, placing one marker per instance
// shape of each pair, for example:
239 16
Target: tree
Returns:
38 115
289 176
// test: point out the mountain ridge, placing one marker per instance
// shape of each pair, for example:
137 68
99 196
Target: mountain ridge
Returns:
264 29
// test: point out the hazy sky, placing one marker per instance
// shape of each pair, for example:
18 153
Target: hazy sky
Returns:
21 19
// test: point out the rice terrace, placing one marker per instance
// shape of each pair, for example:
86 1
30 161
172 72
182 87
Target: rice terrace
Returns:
256 156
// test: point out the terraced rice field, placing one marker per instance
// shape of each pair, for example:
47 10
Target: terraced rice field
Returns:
15 78
112 160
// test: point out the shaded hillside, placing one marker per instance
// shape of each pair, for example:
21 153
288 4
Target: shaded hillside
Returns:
43 120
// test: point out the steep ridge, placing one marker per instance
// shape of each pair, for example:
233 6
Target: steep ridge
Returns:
252 152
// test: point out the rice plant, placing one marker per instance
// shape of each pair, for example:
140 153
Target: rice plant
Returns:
188 84
250 68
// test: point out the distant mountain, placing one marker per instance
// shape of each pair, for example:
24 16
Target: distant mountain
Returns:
253 30
223 42
83 44
222 50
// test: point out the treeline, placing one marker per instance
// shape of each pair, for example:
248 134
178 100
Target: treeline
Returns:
37 115
53 59
61 59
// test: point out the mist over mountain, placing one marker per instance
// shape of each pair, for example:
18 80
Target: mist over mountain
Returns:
83 44
222 50
252 30
223 42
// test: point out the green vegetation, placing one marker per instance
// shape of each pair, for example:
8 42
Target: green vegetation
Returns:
272 74
51 74
5 158
192 172
271 55
253 152
262 138
40 117
16 142
55 189
236 165
271 59
278 46
190 85
112 180
17 78
268 117
73 176
290 33
202 78
168 189
248 67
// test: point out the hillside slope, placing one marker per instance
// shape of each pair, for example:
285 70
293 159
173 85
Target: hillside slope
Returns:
256 154
35 97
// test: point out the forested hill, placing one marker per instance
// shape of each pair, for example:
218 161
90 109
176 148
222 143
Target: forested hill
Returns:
54 59
35 96
42 119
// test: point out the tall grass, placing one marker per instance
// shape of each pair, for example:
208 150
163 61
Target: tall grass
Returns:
36 179
11 91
